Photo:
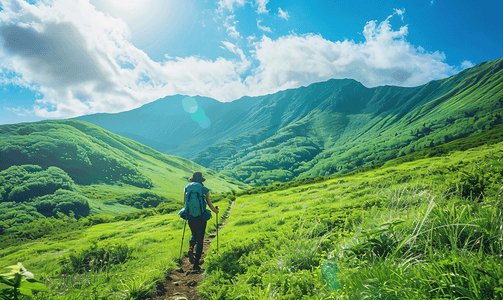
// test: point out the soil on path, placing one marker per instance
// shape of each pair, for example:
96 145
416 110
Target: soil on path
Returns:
183 283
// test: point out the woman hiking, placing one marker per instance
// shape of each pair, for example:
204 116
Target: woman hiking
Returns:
197 215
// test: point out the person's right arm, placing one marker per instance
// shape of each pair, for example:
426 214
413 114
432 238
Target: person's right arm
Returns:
215 210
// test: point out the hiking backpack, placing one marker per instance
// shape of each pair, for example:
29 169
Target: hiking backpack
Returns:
195 204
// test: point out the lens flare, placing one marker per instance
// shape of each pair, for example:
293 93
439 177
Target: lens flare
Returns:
196 113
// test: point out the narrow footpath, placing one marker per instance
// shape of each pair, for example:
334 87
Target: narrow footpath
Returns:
183 283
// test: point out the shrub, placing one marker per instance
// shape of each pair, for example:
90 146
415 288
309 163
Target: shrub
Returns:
95 257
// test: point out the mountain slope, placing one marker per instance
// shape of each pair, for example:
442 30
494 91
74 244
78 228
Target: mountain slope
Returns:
73 167
325 128
424 226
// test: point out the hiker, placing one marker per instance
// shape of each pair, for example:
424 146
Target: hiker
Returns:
198 224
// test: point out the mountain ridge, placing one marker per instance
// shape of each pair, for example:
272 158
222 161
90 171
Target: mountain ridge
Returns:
335 126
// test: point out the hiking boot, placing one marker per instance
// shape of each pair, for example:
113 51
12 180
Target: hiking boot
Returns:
196 267
192 259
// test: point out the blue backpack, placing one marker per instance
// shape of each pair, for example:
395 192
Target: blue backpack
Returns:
195 204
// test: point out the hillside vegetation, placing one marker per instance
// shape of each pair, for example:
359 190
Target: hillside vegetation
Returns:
424 226
326 128
71 168
348 126
418 227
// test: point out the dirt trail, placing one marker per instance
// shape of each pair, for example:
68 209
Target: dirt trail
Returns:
182 283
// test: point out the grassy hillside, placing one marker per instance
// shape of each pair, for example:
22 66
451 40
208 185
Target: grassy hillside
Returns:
424 226
338 126
54 168
420 227
326 128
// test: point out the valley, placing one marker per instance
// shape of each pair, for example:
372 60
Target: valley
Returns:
338 191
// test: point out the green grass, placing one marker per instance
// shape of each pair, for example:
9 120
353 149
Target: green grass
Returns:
154 243
56 168
426 227
446 246
348 126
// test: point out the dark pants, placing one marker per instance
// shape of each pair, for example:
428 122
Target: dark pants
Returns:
197 227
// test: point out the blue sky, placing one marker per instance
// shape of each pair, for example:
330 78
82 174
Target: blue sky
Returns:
64 58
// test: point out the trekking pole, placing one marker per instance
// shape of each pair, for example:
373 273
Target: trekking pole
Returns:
217 234
183 235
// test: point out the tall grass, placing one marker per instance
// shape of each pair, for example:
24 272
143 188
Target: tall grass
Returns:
452 249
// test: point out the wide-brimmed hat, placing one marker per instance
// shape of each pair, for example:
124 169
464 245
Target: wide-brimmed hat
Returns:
197 177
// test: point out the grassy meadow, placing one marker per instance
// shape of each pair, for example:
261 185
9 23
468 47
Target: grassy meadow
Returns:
427 225
430 228
117 259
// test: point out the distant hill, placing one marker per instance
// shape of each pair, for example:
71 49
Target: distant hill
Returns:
326 128
70 167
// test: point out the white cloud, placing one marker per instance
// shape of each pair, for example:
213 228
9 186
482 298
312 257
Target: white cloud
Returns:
261 6
384 58
245 63
231 28
18 110
82 61
263 28
283 14
466 64
399 12
229 4
432 2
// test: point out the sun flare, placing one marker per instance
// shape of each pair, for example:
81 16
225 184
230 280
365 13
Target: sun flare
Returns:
130 8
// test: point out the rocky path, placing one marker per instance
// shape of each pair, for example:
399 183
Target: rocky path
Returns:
182 283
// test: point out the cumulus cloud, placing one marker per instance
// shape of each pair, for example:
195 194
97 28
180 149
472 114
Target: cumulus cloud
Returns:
263 28
384 58
244 64
466 64
261 6
81 61
283 14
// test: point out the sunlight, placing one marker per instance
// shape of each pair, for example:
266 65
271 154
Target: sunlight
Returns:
130 9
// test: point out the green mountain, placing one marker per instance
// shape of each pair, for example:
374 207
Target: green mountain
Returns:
326 128
426 225
70 167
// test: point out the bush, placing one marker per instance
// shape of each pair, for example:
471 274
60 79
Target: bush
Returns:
95 257
22 183
62 201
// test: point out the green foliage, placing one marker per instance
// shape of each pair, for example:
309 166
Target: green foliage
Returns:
95 257
30 193
19 282
379 242
383 123
142 200
452 252
18 233
62 201
481 178
404 231
84 157
266 266
21 183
